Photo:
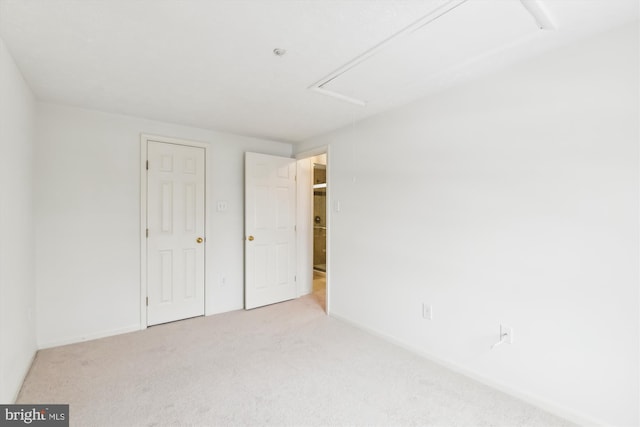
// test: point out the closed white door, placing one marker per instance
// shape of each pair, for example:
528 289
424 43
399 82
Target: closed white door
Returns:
270 213
176 227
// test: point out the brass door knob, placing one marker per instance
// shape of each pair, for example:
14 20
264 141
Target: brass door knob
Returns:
250 238
199 240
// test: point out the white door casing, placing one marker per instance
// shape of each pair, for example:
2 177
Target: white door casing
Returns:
176 230
270 236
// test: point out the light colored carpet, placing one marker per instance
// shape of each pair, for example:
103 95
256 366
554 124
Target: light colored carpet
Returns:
283 365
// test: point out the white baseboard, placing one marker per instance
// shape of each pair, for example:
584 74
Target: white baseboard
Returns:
88 337
541 403
221 310
24 376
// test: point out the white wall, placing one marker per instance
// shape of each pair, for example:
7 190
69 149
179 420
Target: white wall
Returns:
512 199
17 288
87 216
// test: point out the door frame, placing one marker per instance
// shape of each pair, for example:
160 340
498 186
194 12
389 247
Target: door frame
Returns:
144 139
306 239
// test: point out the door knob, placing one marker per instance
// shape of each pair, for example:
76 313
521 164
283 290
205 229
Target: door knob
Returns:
250 238
199 240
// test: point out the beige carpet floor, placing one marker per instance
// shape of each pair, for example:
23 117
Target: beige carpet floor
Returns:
283 365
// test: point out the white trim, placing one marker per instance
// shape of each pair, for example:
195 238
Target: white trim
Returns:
144 139
90 337
341 97
414 26
542 403
143 230
539 13
329 207
25 372
312 152
170 140
304 231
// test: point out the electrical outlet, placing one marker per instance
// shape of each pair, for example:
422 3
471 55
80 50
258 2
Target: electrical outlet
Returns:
427 311
506 334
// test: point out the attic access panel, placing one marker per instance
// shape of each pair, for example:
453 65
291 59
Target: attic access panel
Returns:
469 32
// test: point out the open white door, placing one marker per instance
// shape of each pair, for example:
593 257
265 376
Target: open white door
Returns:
175 232
270 236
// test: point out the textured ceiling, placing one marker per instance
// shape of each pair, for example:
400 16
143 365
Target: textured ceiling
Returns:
210 63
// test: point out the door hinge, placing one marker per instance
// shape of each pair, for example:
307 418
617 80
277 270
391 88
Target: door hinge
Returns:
147 233
147 301
295 278
147 164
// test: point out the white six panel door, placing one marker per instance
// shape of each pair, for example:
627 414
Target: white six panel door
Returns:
176 226
270 229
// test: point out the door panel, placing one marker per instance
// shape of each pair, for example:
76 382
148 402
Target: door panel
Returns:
270 229
175 221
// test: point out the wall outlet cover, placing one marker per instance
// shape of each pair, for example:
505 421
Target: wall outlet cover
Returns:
506 334
427 311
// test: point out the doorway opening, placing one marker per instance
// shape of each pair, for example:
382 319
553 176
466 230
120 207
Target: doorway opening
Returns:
313 227
319 209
